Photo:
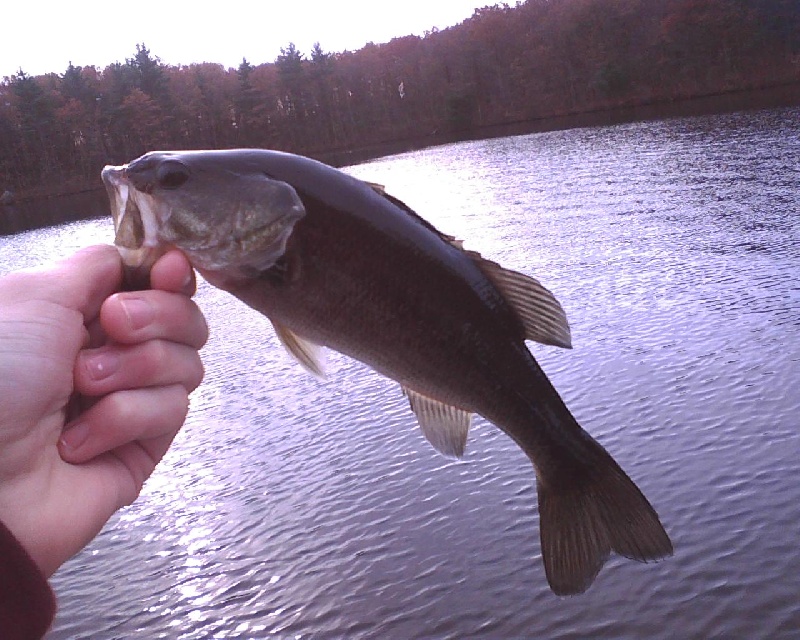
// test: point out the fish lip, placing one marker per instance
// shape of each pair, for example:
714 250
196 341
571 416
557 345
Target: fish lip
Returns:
113 177
110 172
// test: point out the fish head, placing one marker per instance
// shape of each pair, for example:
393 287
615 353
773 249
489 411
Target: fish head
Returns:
228 218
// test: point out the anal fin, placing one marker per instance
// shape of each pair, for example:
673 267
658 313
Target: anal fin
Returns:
446 427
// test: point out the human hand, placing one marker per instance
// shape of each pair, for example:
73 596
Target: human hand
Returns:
94 386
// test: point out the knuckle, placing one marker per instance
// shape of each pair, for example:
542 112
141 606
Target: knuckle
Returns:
159 355
202 334
118 408
197 373
176 407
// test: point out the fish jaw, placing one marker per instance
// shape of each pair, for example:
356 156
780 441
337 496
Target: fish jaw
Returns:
135 224
225 222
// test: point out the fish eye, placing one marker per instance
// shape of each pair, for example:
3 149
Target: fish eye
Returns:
171 174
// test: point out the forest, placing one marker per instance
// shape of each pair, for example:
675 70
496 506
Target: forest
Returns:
504 64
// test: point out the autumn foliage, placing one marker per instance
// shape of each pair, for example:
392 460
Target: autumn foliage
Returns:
538 59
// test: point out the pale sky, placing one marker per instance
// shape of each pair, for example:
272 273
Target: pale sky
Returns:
42 37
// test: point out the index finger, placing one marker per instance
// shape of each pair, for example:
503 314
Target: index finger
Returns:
172 272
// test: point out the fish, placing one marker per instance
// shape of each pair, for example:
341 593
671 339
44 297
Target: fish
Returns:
336 262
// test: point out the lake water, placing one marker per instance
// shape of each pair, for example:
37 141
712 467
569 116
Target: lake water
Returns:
294 508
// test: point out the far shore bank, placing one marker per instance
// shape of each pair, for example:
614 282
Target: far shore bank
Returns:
773 97
36 208
764 98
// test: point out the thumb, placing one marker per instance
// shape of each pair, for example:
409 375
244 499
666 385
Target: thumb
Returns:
80 282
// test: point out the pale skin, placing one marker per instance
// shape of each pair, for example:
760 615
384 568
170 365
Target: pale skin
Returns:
94 386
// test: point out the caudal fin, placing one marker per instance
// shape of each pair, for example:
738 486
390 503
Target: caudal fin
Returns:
597 509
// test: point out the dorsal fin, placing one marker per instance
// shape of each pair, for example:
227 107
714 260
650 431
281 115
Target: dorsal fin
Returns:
307 353
413 214
446 427
541 314
537 308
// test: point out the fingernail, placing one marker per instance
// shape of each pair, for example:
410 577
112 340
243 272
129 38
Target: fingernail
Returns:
75 436
139 312
101 365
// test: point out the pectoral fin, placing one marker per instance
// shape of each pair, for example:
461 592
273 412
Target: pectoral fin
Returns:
307 353
445 426
541 314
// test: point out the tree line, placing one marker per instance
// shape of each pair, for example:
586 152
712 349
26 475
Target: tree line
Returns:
504 64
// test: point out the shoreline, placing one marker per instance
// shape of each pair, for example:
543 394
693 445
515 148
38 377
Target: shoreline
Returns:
776 96
771 97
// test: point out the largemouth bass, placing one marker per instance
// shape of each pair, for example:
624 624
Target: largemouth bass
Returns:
336 262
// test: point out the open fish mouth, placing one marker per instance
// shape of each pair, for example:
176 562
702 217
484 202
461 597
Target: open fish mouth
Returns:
135 225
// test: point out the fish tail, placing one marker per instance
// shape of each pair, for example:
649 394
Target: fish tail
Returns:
588 509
